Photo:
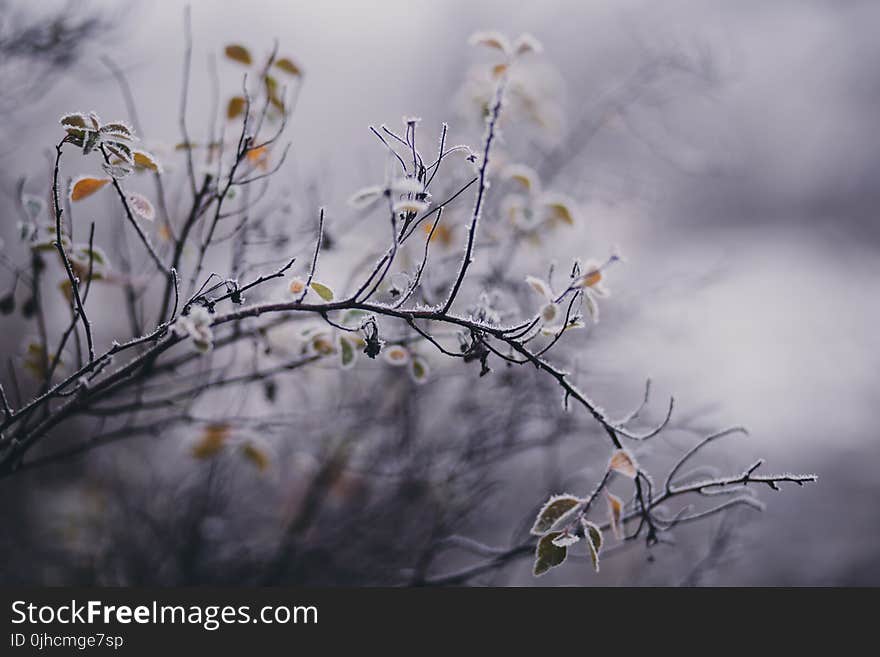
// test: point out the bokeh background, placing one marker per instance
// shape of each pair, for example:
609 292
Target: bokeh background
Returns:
742 188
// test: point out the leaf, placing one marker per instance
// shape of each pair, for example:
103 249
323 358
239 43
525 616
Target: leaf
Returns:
594 541
322 344
120 150
498 70
322 291
396 355
492 40
527 43
286 64
419 370
561 210
35 360
33 205
259 156
117 129
145 160
141 206
539 286
548 555
555 508
212 440
347 352
85 186
236 107
117 171
365 197
74 120
256 454
239 54
623 463
615 513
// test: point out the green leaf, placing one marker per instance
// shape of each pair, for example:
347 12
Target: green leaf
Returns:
347 352
548 555
419 369
238 53
322 291
555 508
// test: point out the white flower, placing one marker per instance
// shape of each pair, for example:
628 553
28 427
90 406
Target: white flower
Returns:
296 285
197 325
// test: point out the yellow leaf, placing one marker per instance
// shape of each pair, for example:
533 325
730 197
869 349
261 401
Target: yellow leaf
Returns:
442 234
615 512
236 106
239 54
498 70
212 440
259 157
591 278
623 462
562 212
256 455
286 64
84 187
145 160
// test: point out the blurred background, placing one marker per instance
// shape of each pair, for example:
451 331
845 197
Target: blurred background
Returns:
728 149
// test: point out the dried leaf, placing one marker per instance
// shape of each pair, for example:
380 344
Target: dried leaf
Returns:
286 64
256 454
239 54
594 541
141 206
555 508
615 514
540 286
624 463
212 440
236 107
85 186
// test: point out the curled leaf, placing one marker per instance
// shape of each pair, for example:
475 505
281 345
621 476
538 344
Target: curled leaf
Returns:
85 186
594 541
615 513
624 463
